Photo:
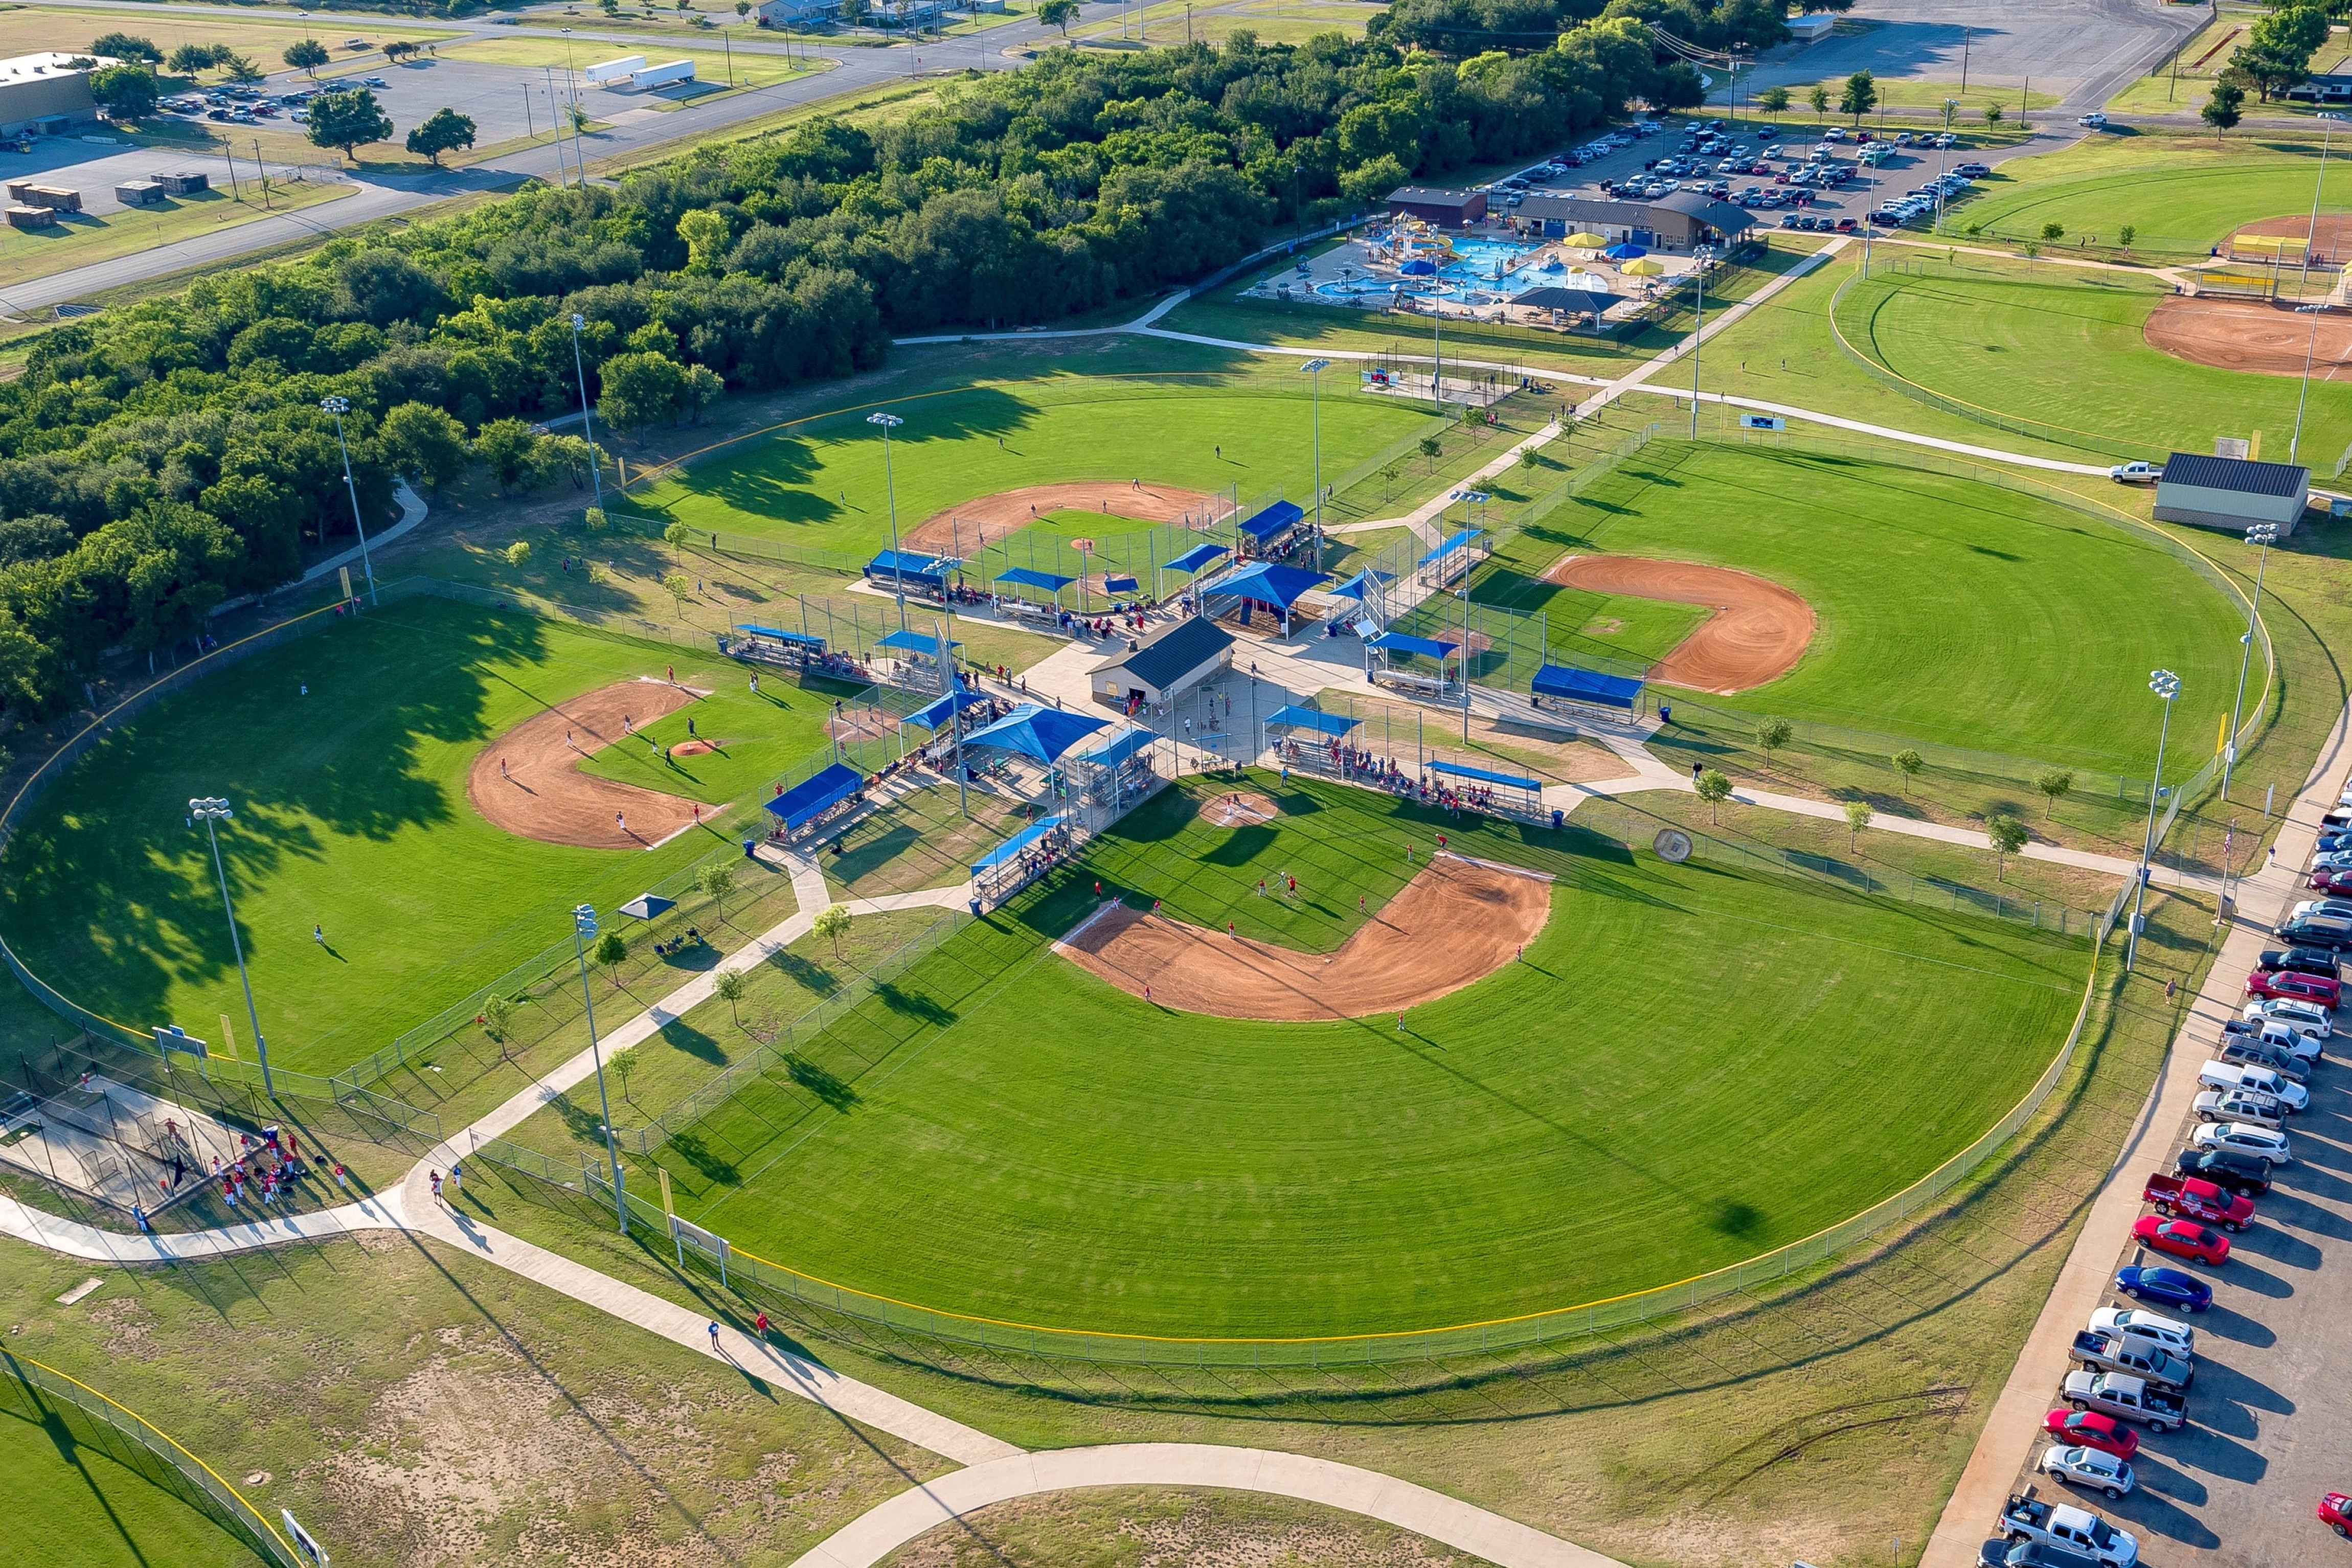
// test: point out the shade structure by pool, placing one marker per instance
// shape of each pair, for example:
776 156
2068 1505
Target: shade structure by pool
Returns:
1643 266
1586 241
1572 684
1293 716
1582 301
1030 576
1115 748
1625 250
1419 266
1400 643
813 797
921 643
1199 556
1012 848
1044 733
935 714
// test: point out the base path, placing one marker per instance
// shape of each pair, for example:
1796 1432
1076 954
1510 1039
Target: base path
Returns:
1456 923
2249 335
529 781
1757 633
881 1531
1239 808
969 525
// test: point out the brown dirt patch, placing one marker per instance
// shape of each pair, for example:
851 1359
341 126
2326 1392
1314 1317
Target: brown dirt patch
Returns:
541 793
1240 809
2335 241
857 723
1757 633
693 747
2250 335
972 524
1456 923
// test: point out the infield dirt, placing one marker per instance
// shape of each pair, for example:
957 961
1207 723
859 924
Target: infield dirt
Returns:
969 525
2250 335
528 781
1757 633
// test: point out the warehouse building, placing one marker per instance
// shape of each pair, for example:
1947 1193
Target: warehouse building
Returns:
47 94
2231 492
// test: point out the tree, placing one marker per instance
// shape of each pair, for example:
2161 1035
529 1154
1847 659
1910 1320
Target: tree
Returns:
2053 230
1773 733
2124 237
679 535
1389 473
624 1063
1912 763
717 880
704 387
518 553
190 58
742 8
2008 835
1820 99
596 520
1857 817
443 131
681 588
728 988
832 922
424 444
611 951
2055 783
1431 449
2224 108
1860 96
498 1016
126 47
398 50
1714 789
707 235
347 120
640 390
125 93
1773 101
242 70
1992 112
1058 14
306 55
507 447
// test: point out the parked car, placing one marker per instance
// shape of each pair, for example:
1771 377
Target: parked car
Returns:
2001 1552
2225 1169
2262 1143
2136 473
2192 1197
2238 1106
2315 931
2306 1018
2087 1466
2134 1323
2182 1238
2113 1393
2249 1051
2089 1429
2117 1353
2335 1513
2303 988
2306 960
1973 171
2029 1517
2259 1082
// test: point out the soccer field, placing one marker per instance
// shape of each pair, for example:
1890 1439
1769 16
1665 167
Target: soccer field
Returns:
1689 1066
352 817
820 482
1950 609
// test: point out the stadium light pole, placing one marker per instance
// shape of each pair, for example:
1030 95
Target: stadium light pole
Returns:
583 926
1315 368
1699 259
2265 535
890 421
210 809
587 416
2310 238
340 406
1943 151
2166 685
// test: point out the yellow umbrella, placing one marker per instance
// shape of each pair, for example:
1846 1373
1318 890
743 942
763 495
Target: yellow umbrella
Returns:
1586 241
1643 266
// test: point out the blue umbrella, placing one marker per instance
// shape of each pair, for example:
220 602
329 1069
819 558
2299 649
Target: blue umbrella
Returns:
1625 250
1418 267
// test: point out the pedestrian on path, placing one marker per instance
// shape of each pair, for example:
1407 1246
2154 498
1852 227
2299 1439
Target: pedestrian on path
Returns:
760 1323
342 1176
436 1187
139 1213
714 1336
456 1178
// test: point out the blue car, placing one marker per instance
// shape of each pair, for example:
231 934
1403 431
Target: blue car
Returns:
2166 1288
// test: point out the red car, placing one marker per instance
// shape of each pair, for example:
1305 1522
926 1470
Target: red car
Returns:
2196 1198
2335 1513
2181 1239
2302 988
2332 881
2092 1430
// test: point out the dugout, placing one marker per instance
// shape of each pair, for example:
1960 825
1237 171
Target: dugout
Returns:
773 646
922 655
1019 860
1484 789
832 792
1566 687
1382 652
1119 767
1453 560
1271 527
902 571
1048 583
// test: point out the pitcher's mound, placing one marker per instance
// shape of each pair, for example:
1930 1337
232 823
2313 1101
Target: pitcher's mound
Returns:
1456 923
693 747
1238 810
1757 633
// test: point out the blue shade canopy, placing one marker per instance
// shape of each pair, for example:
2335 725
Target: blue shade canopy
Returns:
1357 586
813 797
1460 542
1029 576
914 643
1267 583
797 639
1119 585
1012 848
1196 557
1419 266
1487 776
933 715
1114 749
1585 687
1296 717
645 906
1272 521
1626 250
907 563
1044 733
1400 643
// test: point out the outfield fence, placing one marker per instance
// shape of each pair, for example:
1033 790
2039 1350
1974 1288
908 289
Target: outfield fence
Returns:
43 1389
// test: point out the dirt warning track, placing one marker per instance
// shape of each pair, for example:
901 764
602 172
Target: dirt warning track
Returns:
972 524
529 781
2252 335
1456 923
1757 633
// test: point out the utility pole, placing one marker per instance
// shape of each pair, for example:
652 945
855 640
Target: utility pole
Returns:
587 415
1698 259
211 810
583 926
2263 534
1315 368
338 406
2166 685
889 422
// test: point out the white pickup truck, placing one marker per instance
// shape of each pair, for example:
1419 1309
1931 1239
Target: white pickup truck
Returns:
2028 1518
2131 1398
2137 473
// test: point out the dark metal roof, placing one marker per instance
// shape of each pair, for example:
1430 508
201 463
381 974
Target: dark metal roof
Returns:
1435 196
1174 652
1548 299
2237 473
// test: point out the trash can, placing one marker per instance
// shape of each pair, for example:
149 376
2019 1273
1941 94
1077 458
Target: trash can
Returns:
1558 817
751 847
975 908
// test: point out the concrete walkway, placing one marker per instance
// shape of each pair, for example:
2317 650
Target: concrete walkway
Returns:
2014 1428
75 1239
882 1530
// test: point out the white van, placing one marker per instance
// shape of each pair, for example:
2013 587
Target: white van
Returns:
2229 1076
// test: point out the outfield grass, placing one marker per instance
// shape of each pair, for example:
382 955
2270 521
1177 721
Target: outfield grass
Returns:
351 816
998 1133
1950 609
820 481
2180 194
2064 347
89 1497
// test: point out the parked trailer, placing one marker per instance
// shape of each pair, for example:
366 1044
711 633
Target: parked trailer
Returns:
32 194
666 74
612 71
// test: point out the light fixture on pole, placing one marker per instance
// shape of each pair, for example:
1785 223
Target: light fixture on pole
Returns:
1943 147
2265 535
1315 368
587 419
1699 259
890 421
2166 685
584 928
340 406
210 809
2310 238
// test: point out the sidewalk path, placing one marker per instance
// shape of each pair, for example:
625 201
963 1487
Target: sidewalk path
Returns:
2014 1428
882 1530
75 1239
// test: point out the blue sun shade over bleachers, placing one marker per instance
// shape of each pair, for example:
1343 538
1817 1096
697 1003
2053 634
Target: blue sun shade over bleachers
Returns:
813 797
935 714
1401 642
1459 542
1117 749
1295 717
1487 776
1119 585
1265 582
1355 587
1012 848
914 643
1585 687
1029 576
1199 556
797 639
906 567
1271 522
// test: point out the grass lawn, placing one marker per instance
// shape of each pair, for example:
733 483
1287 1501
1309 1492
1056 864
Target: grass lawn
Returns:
351 816
1902 92
1274 22
1237 1179
2180 194
711 65
1950 610
27 254
820 481
2063 348
261 35
95 1499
